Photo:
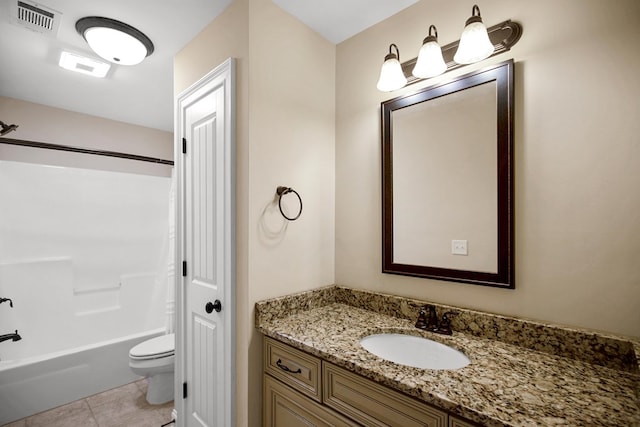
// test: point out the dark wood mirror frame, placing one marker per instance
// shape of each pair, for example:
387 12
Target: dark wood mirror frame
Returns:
502 74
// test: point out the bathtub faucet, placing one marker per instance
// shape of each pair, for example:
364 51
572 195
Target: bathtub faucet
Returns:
13 337
7 299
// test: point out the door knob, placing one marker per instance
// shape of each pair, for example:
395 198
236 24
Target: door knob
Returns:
217 306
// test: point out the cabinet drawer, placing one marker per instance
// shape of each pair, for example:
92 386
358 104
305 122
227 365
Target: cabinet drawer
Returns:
459 422
371 404
284 407
293 367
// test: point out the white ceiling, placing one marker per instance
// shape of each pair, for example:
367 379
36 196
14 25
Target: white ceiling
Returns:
142 94
337 20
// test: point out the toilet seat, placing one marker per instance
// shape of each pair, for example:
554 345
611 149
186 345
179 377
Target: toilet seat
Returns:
155 348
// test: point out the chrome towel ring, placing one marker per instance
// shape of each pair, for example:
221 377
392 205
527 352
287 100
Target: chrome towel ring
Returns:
281 191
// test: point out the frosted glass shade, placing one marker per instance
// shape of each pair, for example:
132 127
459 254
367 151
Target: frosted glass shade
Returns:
115 46
391 76
474 44
430 62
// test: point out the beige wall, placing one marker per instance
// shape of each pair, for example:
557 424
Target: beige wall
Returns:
228 36
285 136
41 123
577 159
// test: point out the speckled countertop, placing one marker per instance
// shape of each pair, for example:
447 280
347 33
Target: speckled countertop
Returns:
522 373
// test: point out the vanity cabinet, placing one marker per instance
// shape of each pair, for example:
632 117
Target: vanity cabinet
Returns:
284 407
459 422
303 390
296 404
371 404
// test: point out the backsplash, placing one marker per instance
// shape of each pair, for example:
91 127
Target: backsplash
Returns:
587 346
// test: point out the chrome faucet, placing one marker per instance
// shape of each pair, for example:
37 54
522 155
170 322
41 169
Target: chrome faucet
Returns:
14 337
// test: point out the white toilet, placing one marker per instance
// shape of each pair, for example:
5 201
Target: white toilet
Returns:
155 359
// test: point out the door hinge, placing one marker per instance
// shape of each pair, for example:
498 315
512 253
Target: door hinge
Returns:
184 390
184 268
184 145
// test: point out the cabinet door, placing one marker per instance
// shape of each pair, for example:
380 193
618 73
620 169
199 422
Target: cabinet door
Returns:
459 422
284 407
372 404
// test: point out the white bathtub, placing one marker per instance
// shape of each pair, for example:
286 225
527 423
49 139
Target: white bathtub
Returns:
34 385
84 258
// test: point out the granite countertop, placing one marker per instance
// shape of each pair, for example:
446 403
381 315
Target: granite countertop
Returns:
504 385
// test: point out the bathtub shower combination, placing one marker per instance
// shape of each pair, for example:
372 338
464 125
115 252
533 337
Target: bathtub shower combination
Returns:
84 277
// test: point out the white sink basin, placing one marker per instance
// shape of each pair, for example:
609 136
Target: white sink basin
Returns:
414 351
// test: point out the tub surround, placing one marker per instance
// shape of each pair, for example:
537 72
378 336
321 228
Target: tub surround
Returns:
521 372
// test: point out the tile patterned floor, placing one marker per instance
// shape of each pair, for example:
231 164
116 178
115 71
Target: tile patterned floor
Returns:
125 406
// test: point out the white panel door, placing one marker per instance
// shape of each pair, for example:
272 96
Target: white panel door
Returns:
207 250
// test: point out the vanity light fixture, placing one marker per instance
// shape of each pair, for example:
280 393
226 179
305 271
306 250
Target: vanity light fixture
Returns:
115 41
391 75
474 42
430 62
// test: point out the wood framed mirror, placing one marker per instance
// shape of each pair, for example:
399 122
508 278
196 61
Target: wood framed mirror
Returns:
447 180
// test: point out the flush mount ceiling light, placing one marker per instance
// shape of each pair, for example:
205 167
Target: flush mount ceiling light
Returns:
475 44
115 41
82 64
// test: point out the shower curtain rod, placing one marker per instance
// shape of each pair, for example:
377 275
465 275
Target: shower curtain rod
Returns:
72 149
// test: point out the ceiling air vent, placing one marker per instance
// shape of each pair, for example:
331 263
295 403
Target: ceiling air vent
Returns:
37 17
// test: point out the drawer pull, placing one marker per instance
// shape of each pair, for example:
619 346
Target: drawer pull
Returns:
286 368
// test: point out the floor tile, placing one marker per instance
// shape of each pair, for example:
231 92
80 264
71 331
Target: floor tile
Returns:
76 414
143 385
19 423
127 406
121 396
152 416
116 404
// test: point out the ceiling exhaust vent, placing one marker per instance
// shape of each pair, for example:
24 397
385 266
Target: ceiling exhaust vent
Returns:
37 17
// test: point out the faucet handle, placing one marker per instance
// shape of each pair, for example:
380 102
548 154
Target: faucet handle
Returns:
445 323
421 323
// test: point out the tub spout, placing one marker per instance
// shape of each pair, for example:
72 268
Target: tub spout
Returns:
12 337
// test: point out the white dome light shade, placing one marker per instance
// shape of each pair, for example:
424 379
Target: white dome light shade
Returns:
115 41
391 75
430 62
474 43
115 46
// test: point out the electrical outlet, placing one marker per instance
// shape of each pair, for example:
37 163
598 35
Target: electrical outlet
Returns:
459 247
